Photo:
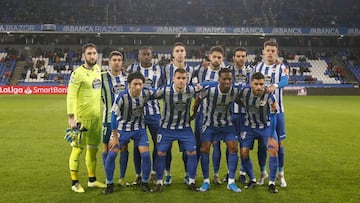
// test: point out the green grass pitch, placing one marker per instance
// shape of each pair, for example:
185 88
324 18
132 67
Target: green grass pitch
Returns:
322 156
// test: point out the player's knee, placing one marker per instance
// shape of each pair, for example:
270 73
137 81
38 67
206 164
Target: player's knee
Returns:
161 153
191 152
272 151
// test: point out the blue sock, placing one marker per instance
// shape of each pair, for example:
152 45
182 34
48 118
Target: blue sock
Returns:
124 156
104 155
145 166
281 158
232 164
262 156
205 165
110 166
273 164
168 160
185 160
160 166
191 165
248 167
154 156
242 169
216 156
137 160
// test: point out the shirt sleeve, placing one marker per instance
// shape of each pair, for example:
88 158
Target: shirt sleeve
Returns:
73 89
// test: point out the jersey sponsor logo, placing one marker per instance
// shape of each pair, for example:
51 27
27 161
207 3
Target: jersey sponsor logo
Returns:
118 88
96 84
268 80
262 103
148 82
241 78
180 106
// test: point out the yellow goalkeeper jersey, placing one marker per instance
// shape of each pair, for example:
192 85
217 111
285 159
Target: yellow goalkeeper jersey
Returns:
84 93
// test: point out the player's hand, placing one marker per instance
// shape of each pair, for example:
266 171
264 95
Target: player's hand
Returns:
114 143
270 89
71 134
72 123
198 87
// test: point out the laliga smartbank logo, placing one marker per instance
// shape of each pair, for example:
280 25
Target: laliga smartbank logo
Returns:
33 90
15 90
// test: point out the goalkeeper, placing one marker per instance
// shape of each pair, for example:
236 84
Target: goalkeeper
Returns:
83 105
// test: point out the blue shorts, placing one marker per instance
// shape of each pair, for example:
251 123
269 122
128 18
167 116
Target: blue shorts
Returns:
152 119
225 133
280 126
139 136
238 120
106 132
251 134
184 136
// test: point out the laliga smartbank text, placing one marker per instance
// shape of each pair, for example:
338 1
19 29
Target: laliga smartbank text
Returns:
33 89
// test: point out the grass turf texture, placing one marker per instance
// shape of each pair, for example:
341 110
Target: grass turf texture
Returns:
322 156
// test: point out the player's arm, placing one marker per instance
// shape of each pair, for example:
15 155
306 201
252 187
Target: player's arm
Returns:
114 142
71 98
195 107
273 111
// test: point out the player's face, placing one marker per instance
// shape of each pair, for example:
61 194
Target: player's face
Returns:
179 53
116 63
180 80
136 87
258 86
270 54
216 58
225 81
240 58
90 56
145 57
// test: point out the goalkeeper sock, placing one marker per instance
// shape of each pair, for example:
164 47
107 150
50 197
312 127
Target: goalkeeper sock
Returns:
74 162
90 159
73 182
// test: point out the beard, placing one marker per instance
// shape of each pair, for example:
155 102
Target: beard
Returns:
90 62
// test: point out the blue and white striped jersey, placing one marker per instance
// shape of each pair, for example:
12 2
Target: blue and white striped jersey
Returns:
241 77
176 108
202 74
257 108
111 86
217 111
152 78
167 74
275 74
130 110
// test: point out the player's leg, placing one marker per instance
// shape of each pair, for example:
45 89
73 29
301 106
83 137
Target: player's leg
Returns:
152 122
123 161
92 140
106 132
247 143
141 141
110 163
74 169
280 129
262 154
137 166
216 157
272 146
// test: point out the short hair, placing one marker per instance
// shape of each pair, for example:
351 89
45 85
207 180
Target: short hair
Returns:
218 49
115 53
271 43
135 75
145 47
180 70
257 76
224 70
239 49
88 45
178 44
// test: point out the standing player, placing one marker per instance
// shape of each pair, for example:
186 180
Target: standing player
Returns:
241 77
83 106
202 74
167 75
276 78
175 125
113 82
152 110
260 122
127 122
218 125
